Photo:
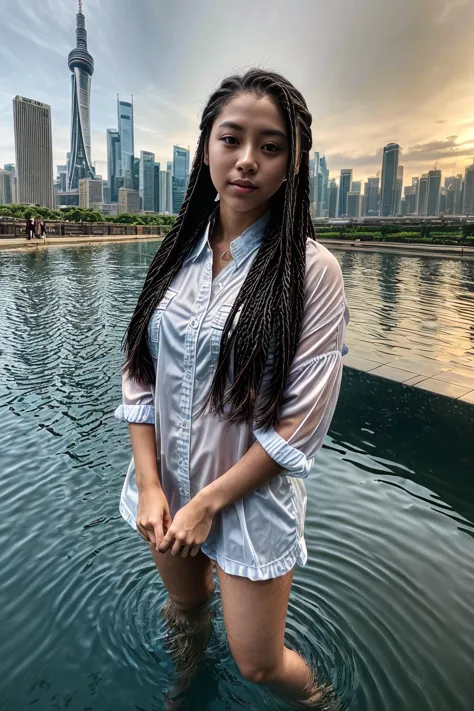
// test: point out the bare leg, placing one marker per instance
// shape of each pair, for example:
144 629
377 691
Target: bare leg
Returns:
255 617
189 583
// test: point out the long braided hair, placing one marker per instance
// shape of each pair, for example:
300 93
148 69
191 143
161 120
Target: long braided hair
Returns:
271 299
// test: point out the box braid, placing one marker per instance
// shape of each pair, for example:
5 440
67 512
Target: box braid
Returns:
271 299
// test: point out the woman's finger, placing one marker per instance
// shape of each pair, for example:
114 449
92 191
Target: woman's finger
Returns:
185 552
176 547
143 533
194 551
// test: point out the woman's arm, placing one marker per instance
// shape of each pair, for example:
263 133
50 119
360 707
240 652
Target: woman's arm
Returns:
137 408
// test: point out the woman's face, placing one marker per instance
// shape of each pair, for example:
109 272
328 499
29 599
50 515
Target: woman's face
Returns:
248 142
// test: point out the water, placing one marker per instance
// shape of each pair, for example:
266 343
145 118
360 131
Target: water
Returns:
385 602
414 307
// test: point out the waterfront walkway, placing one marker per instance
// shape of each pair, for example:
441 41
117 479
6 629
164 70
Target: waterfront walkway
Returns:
456 382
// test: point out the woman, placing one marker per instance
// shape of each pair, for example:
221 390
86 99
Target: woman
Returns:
232 373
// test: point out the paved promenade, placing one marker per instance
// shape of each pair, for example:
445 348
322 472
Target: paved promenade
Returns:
437 377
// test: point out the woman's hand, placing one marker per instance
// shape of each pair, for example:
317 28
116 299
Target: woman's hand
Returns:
189 530
153 516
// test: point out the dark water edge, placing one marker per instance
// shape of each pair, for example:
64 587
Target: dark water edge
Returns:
384 603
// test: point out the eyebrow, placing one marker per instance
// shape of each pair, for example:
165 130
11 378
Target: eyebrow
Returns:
265 132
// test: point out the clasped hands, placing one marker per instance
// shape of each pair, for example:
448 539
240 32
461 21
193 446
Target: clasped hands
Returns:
182 535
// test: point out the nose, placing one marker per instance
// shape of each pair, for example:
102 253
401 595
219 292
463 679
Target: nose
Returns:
246 162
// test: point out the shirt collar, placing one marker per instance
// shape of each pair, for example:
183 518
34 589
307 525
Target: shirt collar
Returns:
241 246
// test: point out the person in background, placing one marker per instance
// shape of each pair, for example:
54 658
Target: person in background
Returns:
30 228
37 228
43 228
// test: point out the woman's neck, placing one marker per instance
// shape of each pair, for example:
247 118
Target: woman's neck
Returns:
231 223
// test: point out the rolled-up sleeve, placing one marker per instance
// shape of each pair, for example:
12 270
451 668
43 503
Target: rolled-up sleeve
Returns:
137 402
314 381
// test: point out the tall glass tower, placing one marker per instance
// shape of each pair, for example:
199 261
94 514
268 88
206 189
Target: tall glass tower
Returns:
180 176
81 65
388 194
127 143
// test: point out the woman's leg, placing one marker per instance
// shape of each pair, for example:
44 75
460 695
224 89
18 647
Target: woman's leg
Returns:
255 617
189 583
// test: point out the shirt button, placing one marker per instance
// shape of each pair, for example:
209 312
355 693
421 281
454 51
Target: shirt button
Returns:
180 461
188 374
182 491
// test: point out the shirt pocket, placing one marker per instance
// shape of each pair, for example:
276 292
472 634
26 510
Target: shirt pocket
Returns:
217 327
153 332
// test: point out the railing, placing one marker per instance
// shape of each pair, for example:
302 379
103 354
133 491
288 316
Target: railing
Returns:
11 229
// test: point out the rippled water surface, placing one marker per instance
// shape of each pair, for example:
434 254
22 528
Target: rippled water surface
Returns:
386 601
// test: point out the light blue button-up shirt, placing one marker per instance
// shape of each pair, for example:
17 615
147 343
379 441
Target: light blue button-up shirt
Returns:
262 535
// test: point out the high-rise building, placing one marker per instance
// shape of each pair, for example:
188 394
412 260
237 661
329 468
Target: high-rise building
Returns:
180 176
146 181
34 152
156 187
10 167
113 162
129 201
371 197
81 65
127 143
353 203
422 195
323 188
5 187
397 198
356 186
164 202
91 193
453 185
434 187
468 196
332 198
345 183
389 177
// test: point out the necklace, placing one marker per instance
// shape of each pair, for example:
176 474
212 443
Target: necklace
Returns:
227 251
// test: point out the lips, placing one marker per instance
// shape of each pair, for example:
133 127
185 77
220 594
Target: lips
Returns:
241 187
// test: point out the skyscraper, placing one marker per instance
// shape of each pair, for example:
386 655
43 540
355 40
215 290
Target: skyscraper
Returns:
434 186
146 187
323 187
332 198
353 203
81 65
10 167
127 143
156 187
180 176
34 151
422 195
371 197
5 187
91 193
345 184
113 162
389 178
468 198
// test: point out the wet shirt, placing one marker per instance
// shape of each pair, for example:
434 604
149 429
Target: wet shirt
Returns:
262 535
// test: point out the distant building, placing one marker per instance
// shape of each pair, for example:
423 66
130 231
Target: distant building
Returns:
81 65
180 176
156 187
422 195
10 167
434 187
113 162
129 201
127 143
345 183
34 152
106 192
468 199
165 191
70 198
5 187
356 186
110 209
146 181
91 193
413 197
453 185
353 203
332 198
388 207
371 197
323 188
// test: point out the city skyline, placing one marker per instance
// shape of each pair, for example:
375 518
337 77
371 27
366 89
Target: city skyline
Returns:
424 105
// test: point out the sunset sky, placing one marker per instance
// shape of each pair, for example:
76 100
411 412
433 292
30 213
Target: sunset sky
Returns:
372 71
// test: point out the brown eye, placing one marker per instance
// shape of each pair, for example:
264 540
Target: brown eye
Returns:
229 138
271 148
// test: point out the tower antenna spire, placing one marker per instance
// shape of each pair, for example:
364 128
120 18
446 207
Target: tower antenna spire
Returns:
80 7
